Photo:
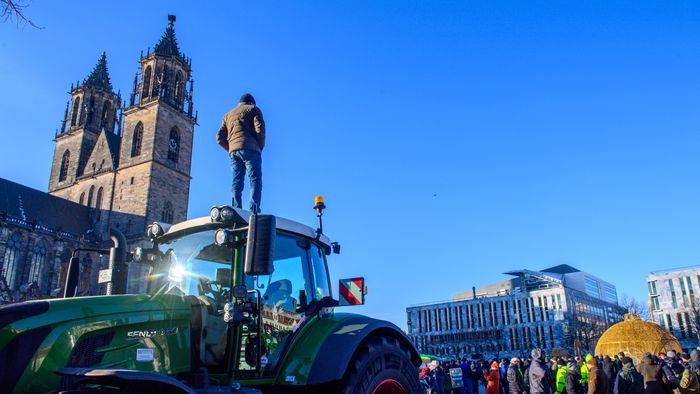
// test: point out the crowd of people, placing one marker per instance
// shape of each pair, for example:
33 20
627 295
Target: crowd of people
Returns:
665 373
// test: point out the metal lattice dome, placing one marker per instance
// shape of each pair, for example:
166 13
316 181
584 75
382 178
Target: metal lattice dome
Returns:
636 337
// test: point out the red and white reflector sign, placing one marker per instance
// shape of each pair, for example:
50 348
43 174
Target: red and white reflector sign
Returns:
352 291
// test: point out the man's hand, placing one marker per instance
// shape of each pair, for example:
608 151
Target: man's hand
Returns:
222 136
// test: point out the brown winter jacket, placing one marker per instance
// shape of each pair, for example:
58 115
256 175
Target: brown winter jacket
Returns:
598 382
493 380
242 128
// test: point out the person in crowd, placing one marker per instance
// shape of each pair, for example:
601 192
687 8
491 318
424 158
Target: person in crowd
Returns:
584 371
466 377
525 368
538 375
598 382
573 378
503 369
651 372
618 361
438 377
695 359
476 373
609 370
628 379
670 372
493 379
425 379
688 383
560 375
514 376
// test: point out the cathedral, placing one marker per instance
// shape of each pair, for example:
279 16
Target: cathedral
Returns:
116 165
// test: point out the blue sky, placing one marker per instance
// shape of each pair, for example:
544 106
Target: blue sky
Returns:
453 140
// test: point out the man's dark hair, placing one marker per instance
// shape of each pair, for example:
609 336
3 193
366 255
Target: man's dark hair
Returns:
248 98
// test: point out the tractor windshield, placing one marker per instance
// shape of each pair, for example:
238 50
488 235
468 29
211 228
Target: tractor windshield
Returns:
194 265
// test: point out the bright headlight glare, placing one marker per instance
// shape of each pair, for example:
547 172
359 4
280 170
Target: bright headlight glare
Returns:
214 214
227 214
176 273
138 254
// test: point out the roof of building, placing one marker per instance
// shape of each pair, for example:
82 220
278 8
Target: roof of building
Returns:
114 144
561 269
675 270
167 46
31 206
99 77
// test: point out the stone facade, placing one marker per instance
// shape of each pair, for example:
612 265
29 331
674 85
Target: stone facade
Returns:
535 309
126 164
674 300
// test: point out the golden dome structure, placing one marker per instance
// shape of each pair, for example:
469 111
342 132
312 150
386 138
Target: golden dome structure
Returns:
636 337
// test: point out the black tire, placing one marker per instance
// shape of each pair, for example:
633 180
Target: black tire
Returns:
378 360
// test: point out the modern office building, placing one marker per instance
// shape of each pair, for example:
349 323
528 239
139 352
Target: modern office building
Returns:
555 308
674 302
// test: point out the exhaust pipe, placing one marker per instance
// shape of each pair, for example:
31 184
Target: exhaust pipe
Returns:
117 263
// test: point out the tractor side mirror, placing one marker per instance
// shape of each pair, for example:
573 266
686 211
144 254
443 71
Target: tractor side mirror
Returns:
352 291
260 247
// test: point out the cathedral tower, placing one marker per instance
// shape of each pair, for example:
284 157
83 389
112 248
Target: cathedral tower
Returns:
91 113
153 178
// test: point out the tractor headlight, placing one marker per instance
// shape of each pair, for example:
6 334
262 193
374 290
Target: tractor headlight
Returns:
226 214
138 254
214 214
155 230
223 237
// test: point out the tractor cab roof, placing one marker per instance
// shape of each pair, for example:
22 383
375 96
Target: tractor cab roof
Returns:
240 220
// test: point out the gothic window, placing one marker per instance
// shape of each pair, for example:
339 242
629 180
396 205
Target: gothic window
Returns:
146 87
98 199
81 200
167 215
11 260
90 110
136 140
65 161
164 82
76 110
37 264
90 194
105 115
174 145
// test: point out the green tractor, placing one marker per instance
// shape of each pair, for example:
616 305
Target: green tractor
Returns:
236 303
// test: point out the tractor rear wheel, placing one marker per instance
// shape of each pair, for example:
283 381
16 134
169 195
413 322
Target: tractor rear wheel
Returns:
381 366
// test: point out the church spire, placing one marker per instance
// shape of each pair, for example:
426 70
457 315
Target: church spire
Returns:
167 46
99 77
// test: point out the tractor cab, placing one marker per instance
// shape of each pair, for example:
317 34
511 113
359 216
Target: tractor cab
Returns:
252 281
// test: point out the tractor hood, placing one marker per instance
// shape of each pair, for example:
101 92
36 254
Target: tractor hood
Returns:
141 332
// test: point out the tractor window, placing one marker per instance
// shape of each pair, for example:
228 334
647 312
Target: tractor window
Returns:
283 293
318 264
194 267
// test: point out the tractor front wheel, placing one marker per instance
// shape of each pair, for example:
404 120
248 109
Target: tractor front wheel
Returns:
381 366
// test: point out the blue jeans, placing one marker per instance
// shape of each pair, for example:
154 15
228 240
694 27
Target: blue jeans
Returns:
246 161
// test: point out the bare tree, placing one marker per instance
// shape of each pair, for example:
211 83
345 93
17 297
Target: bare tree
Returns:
582 332
691 313
634 306
13 10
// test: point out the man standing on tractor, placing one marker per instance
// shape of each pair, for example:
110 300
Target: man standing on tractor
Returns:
242 135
